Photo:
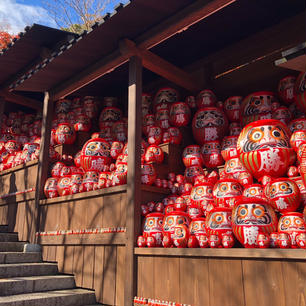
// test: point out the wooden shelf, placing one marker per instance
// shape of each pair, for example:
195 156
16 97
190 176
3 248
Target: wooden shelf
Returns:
294 58
23 166
18 198
101 192
84 239
227 253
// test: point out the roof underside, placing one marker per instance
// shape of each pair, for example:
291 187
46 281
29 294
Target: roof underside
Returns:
231 24
30 46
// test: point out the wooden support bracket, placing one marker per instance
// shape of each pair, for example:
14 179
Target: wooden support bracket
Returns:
160 66
18 99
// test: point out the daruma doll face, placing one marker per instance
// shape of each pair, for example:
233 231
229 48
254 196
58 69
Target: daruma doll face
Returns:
219 221
263 148
251 216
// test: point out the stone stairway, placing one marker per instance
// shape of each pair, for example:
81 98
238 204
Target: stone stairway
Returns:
25 280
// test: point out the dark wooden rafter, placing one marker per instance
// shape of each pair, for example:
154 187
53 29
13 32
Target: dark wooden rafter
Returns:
175 24
18 99
160 66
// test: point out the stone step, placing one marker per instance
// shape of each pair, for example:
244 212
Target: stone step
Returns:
27 269
3 228
6 237
76 297
19 257
12 246
20 285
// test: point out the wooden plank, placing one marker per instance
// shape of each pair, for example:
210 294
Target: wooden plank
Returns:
98 272
52 253
228 253
88 267
194 281
87 239
225 282
21 100
133 176
85 195
60 257
68 259
146 277
180 21
109 275
111 213
160 66
293 274
94 213
120 275
167 279
42 171
298 63
263 283
78 264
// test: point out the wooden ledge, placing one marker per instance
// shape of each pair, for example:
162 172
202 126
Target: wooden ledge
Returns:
100 192
29 196
288 254
84 239
20 167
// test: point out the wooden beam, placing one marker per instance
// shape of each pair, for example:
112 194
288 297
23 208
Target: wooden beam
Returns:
160 66
175 24
18 99
43 163
181 21
133 177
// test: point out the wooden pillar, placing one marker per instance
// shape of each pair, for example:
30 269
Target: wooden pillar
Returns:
2 106
43 164
133 177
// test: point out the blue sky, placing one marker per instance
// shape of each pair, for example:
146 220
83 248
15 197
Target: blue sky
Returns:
20 13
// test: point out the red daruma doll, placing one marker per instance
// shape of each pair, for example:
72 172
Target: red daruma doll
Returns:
286 89
218 222
227 192
202 195
153 226
232 108
211 152
192 156
65 134
250 216
209 124
229 147
173 219
95 154
50 188
293 224
283 194
148 174
180 114
264 149
206 98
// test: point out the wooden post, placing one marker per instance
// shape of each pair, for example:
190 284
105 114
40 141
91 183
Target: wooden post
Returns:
133 177
43 164
2 106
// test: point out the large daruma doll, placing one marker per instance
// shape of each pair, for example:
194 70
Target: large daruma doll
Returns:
263 148
209 124
251 216
95 154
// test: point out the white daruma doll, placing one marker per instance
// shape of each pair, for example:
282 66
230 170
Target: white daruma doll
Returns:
264 149
250 216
